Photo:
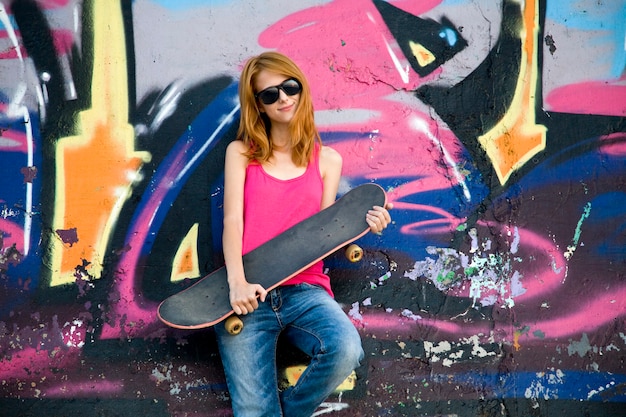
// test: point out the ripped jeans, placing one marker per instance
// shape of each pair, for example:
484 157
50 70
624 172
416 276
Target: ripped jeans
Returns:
312 321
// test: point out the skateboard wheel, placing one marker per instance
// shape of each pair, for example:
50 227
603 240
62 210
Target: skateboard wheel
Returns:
233 325
354 253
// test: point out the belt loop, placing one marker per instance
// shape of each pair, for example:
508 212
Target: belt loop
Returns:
275 299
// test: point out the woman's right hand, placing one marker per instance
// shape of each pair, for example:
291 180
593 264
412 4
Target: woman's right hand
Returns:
244 297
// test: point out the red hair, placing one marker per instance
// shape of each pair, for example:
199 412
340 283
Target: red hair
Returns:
254 126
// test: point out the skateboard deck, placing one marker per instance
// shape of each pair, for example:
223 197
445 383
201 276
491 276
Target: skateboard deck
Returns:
207 303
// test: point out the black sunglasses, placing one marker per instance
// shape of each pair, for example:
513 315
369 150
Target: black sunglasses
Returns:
291 87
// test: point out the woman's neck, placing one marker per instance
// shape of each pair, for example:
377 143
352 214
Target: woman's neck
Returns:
280 139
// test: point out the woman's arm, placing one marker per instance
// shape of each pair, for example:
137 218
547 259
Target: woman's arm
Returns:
243 295
330 166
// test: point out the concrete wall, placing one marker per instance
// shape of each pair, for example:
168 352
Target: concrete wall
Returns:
497 128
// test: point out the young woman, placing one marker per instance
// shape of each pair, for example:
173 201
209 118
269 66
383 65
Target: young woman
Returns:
277 174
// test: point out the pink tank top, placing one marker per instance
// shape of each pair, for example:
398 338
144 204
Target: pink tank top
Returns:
272 205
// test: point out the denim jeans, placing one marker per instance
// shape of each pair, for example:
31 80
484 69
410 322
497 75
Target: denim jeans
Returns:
312 321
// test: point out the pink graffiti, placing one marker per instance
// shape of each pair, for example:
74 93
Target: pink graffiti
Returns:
588 316
87 388
12 234
593 97
348 35
132 315
601 309
392 137
614 144
52 4
135 315
12 140
389 325
359 25
20 364
400 149
62 39
444 224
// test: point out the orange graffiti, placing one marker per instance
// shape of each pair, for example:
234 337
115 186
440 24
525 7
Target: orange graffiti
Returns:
517 138
96 169
186 264
516 344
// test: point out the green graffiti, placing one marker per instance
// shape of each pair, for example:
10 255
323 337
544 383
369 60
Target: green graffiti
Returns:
572 248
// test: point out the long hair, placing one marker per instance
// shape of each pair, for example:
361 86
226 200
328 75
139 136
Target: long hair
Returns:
254 126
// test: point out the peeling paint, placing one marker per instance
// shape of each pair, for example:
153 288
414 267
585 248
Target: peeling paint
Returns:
68 236
581 347
488 277
546 386
450 353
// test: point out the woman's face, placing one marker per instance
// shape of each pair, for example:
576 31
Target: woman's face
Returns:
284 108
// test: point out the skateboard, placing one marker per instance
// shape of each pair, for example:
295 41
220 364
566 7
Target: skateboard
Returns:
206 303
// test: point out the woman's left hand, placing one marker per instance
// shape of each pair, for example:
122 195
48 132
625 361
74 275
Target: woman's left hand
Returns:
378 218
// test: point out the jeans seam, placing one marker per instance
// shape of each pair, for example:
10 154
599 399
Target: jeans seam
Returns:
277 390
311 366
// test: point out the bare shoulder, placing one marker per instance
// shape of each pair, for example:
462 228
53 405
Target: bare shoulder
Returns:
236 146
330 157
236 159
330 163
236 151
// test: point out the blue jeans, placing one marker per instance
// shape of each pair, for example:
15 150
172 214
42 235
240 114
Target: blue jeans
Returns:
312 321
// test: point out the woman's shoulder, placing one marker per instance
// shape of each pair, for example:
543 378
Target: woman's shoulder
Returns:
329 155
330 162
237 146
237 153
237 149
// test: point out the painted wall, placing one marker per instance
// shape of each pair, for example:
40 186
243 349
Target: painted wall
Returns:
497 128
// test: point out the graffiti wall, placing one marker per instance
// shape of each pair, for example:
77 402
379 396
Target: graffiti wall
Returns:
497 128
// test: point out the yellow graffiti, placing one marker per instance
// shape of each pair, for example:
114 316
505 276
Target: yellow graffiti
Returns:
424 56
517 138
186 264
96 169
293 373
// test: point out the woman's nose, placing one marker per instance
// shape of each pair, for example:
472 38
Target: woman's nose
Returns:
282 96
